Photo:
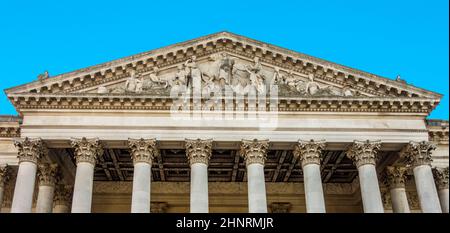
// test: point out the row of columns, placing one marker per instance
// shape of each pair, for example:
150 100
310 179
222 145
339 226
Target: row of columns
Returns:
254 152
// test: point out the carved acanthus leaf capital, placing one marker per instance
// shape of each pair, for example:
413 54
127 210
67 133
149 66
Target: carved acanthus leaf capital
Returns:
364 152
386 199
198 151
418 153
4 174
30 150
280 207
143 150
309 152
441 177
87 150
63 194
158 207
254 151
395 177
48 174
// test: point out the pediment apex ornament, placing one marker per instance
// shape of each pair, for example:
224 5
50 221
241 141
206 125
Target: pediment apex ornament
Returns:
396 177
254 151
48 174
43 76
364 152
309 152
143 150
198 150
441 177
87 150
418 153
30 149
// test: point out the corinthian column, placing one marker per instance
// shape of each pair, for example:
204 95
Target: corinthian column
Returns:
309 153
4 177
441 179
255 153
395 180
198 153
86 153
418 156
364 155
142 152
30 151
63 197
47 179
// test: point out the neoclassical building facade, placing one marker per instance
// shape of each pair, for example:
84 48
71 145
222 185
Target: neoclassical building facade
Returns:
222 123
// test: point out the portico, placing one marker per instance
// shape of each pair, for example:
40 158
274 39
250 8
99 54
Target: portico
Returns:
270 130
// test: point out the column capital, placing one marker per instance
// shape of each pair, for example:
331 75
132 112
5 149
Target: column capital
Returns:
280 207
87 150
309 152
364 152
418 153
441 177
4 174
143 150
30 149
395 177
158 207
198 151
63 194
254 151
48 174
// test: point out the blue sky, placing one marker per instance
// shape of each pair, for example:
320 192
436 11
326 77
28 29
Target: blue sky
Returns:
383 37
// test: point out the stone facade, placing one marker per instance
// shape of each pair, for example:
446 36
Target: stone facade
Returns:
222 123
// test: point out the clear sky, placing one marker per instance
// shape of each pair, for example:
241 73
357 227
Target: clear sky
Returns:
384 37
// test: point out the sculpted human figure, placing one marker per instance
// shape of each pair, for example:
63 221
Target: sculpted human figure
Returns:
180 76
133 84
312 87
256 79
194 75
225 70
277 77
155 80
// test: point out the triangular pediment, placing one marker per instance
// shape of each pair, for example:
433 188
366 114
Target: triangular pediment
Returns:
223 59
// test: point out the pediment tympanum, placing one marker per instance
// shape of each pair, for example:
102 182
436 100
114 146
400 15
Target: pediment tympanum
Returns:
226 62
221 71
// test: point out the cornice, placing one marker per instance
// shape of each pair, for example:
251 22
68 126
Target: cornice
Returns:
438 131
286 104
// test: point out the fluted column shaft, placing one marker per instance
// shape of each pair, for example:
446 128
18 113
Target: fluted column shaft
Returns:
86 153
30 151
142 152
198 153
441 179
255 153
309 153
419 158
364 154
395 180
47 180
